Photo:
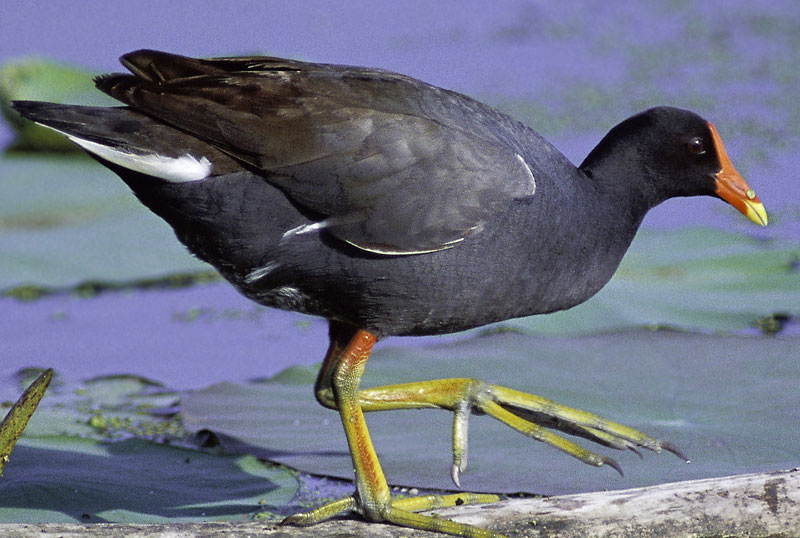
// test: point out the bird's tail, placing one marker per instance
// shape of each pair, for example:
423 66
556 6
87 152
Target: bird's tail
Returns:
129 139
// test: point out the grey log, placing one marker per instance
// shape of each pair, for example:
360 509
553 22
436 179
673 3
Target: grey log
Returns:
765 505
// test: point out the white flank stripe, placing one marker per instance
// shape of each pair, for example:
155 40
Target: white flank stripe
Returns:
173 169
530 174
388 251
306 228
261 272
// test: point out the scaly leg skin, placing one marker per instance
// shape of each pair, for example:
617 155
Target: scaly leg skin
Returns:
344 365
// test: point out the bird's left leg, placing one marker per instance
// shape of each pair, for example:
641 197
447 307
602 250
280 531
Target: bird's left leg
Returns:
344 366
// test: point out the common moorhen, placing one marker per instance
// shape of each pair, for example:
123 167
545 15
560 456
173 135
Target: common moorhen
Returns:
392 207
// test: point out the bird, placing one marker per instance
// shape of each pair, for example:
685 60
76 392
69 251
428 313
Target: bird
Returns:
392 207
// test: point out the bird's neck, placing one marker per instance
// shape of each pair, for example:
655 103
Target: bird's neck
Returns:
575 236
622 180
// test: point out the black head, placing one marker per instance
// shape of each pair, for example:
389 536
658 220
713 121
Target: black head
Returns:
666 152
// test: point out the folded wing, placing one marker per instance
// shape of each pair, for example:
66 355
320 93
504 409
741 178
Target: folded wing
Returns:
373 155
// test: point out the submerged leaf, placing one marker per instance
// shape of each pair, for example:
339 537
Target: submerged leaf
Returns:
20 413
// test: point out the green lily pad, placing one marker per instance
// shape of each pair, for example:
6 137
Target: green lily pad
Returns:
729 402
40 79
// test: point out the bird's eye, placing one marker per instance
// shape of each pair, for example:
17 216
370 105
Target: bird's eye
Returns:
696 146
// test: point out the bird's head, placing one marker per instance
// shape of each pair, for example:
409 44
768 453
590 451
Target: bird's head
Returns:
672 152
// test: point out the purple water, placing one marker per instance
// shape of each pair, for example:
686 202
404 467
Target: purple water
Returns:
188 338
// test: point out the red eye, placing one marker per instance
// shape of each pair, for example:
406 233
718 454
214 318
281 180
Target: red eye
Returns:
696 146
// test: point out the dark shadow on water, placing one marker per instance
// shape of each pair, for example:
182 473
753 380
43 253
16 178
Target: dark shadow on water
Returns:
136 476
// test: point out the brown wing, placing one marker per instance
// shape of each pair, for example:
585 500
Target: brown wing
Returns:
390 164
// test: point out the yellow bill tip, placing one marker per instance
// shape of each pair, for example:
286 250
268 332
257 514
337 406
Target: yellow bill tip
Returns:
755 211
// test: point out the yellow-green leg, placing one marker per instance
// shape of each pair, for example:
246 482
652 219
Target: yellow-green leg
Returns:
344 365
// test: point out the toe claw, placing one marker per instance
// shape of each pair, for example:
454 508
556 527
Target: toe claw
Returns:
613 464
669 447
454 475
296 520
